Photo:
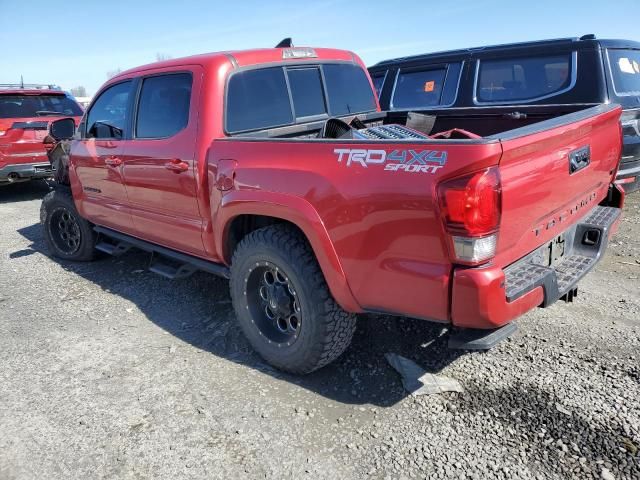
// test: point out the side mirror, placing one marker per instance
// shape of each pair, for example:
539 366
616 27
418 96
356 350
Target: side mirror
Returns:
63 129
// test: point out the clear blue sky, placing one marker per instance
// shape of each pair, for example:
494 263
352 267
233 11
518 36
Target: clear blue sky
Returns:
77 43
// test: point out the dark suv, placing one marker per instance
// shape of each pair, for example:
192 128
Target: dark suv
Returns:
519 84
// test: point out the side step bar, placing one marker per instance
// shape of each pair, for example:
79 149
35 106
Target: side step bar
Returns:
114 249
478 339
166 262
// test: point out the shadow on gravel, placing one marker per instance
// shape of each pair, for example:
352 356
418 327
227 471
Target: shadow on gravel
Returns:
23 192
198 310
551 433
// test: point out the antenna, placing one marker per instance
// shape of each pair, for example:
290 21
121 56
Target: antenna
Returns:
21 81
285 43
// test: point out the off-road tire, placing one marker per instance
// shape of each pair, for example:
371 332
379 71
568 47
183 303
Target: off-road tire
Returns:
60 202
325 329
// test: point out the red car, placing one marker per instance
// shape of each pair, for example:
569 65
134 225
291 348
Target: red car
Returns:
25 114
276 169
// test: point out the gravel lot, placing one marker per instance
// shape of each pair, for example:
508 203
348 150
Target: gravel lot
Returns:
109 371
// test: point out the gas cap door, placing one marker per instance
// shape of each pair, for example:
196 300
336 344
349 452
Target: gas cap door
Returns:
226 176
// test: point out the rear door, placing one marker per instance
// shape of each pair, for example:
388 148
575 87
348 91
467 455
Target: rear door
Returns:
96 158
159 160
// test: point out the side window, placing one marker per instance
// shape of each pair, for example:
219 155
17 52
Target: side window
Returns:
625 70
258 99
109 114
523 79
378 81
306 91
163 108
426 87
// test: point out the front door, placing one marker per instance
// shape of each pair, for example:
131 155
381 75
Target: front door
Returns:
159 161
96 159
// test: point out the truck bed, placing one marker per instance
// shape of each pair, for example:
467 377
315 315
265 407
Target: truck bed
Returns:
383 223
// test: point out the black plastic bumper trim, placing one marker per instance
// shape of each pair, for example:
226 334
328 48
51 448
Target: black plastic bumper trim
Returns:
26 171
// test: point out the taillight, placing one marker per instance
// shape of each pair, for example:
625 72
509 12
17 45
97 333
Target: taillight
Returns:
470 208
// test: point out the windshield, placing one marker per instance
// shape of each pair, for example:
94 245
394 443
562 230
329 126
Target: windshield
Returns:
25 106
625 71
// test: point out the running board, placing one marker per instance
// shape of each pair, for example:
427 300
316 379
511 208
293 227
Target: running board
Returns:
479 339
114 249
172 272
186 264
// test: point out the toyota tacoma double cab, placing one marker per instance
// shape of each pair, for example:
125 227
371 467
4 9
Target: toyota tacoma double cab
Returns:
26 110
275 168
518 84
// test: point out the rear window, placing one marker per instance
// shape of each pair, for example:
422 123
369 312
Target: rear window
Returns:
523 79
23 106
306 91
258 99
349 89
263 98
625 71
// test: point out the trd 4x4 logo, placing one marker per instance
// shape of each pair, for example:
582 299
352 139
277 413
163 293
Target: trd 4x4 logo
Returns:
422 161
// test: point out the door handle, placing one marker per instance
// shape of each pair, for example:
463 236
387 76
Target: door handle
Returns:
113 161
176 165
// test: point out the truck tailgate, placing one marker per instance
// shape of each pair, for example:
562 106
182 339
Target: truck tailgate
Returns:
553 174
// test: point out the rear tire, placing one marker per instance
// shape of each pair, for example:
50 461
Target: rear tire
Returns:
67 234
283 303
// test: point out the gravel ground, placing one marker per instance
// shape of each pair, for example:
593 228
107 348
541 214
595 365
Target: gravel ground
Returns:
108 371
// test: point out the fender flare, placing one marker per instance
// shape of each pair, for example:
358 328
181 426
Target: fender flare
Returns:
297 211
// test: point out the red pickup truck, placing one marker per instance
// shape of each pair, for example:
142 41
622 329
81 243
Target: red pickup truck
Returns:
276 169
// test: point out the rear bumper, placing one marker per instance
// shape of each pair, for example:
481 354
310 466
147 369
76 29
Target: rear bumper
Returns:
21 172
491 297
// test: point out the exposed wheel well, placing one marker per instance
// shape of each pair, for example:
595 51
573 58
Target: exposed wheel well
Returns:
242 225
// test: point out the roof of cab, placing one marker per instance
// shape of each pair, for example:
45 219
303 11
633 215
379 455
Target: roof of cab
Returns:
243 58
585 41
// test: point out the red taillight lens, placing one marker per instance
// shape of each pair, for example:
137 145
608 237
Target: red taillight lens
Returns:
470 205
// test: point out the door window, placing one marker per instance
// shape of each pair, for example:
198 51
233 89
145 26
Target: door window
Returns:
109 114
419 88
523 79
163 108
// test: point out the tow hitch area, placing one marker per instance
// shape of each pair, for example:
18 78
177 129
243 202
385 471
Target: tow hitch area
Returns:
560 264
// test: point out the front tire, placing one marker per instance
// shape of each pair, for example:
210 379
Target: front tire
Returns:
67 235
283 303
